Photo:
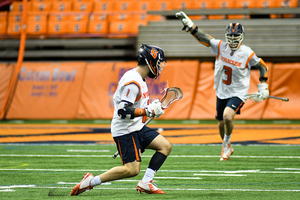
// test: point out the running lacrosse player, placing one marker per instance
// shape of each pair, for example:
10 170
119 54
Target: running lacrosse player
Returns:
132 137
231 75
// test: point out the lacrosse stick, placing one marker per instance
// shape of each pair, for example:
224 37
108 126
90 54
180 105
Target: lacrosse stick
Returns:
257 95
170 95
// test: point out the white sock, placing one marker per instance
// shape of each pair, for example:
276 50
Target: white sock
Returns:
149 175
226 139
95 181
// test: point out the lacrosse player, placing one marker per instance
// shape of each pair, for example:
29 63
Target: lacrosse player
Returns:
231 76
132 137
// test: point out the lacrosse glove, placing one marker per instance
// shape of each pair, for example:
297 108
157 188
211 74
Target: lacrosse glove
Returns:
263 90
154 109
186 21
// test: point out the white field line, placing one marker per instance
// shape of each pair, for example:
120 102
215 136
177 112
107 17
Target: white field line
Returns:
287 168
175 171
7 190
179 189
219 175
17 186
146 156
75 150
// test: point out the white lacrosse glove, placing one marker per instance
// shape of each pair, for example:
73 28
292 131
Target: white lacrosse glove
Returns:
154 109
186 21
263 90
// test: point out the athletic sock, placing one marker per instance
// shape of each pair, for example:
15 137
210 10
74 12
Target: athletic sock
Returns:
226 139
155 163
95 181
149 175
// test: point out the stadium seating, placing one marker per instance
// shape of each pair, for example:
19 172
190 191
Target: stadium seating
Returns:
37 23
14 23
3 22
40 6
98 24
83 6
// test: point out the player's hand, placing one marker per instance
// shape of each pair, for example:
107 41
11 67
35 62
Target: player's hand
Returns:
263 90
154 109
186 21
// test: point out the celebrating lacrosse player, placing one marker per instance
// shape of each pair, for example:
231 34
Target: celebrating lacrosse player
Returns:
231 76
132 137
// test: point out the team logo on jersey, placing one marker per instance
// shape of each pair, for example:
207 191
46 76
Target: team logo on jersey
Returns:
236 63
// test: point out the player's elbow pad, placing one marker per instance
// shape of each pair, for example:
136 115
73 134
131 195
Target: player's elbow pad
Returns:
126 110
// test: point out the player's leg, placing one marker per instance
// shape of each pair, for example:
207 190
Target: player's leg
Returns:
233 107
221 128
153 140
120 172
129 148
220 107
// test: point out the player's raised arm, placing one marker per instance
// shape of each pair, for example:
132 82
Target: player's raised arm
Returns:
189 26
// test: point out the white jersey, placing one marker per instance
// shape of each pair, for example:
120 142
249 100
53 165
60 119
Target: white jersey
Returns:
232 69
139 97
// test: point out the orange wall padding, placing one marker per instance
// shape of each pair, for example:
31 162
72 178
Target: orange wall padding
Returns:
47 90
84 90
284 83
6 72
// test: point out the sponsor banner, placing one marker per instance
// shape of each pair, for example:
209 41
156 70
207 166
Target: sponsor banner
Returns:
48 90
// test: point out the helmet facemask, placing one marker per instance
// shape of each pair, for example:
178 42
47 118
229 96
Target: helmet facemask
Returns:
234 35
234 41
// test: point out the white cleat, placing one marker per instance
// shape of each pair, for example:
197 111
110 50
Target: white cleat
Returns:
83 186
148 188
226 152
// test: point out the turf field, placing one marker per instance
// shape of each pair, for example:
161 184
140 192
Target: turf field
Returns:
42 171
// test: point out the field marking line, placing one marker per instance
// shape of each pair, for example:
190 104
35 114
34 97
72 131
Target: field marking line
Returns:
185 189
7 190
145 156
219 175
75 150
171 189
230 173
17 186
287 168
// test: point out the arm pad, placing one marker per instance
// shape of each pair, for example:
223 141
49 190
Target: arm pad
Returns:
202 37
263 70
126 110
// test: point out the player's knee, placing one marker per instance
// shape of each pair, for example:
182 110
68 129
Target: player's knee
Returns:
227 119
168 148
133 171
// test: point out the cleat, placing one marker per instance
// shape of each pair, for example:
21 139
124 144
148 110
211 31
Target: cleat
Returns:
226 152
231 149
83 186
148 188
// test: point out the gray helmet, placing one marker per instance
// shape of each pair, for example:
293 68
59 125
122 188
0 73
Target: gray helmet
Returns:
234 35
154 57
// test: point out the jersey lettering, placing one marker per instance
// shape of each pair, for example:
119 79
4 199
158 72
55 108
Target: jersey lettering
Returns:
229 61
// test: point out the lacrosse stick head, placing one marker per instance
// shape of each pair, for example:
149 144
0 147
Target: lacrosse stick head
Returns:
255 97
170 95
